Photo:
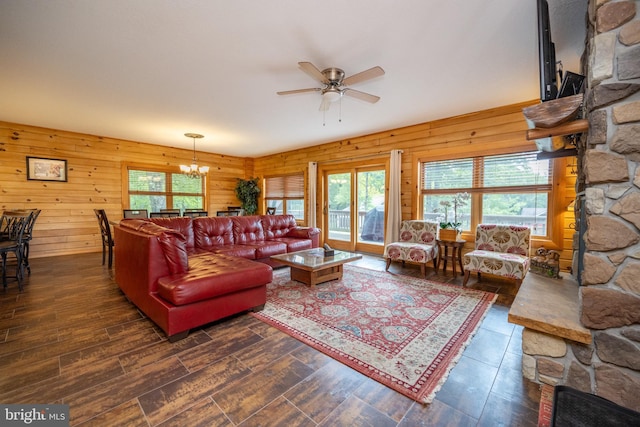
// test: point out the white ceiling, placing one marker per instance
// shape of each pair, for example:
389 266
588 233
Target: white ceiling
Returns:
151 70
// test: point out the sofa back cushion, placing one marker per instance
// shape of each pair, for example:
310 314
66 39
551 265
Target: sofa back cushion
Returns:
503 238
418 231
172 242
212 231
174 246
276 226
133 223
247 229
181 224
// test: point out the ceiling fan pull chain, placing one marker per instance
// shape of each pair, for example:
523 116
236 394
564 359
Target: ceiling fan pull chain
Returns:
340 110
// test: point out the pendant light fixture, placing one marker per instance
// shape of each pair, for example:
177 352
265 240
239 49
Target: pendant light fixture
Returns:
194 171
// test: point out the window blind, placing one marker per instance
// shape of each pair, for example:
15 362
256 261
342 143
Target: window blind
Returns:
285 186
488 173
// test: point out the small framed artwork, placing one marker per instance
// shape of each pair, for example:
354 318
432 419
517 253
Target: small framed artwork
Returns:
46 169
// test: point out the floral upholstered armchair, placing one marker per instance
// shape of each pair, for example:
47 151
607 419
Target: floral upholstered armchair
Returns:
417 244
501 250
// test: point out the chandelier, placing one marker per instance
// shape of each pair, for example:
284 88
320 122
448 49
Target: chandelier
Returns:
194 171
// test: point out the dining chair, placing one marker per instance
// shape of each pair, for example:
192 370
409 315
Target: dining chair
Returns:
195 214
107 238
28 235
15 223
135 213
166 214
28 232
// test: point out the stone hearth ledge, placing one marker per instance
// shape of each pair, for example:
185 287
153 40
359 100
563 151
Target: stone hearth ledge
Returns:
550 306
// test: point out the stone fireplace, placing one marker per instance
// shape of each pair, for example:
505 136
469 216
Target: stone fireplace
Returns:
607 245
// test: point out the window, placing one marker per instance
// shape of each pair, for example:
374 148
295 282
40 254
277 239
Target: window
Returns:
286 194
155 189
503 189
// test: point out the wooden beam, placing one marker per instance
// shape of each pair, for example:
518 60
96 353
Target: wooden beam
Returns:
576 126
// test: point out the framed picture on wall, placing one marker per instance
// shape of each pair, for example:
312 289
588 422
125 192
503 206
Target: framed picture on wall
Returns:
40 169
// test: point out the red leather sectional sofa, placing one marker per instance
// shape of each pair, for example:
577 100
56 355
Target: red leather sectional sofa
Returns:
184 273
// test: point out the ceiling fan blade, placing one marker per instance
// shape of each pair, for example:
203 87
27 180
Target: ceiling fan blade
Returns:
290 92
364 75
311 69
361 95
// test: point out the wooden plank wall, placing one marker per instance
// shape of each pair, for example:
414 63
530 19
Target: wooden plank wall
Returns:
492 131
67 224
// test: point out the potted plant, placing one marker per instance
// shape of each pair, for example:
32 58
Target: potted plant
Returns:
450 230
247 191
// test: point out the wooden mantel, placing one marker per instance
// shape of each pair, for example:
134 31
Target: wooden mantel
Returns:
555 118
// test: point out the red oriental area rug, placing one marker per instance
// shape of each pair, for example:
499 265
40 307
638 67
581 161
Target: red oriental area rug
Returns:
404 332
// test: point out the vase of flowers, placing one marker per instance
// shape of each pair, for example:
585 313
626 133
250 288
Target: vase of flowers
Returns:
449 230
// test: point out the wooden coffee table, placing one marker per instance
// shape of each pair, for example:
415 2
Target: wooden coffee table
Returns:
312 267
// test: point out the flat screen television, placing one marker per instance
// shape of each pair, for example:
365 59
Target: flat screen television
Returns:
547 55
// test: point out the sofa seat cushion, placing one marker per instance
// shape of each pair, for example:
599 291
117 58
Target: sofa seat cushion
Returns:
258 250
411 251
242 251
295 245
211 276
499 263
267 249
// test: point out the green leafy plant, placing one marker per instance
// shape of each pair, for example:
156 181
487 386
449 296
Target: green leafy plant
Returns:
459 200
247 191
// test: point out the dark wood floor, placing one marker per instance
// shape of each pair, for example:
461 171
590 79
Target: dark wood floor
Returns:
71 337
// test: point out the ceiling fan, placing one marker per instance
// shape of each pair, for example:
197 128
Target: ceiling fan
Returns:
334 84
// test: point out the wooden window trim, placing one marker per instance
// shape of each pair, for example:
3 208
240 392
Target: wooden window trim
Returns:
126 166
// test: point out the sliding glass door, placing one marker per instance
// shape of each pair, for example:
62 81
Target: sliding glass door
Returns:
354 208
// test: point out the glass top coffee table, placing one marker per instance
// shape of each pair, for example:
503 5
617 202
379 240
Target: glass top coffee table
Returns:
312 267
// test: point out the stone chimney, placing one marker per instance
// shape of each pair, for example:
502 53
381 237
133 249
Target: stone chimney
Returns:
609 180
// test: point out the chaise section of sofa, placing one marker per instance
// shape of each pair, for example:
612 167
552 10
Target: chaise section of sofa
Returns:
181 291
184 273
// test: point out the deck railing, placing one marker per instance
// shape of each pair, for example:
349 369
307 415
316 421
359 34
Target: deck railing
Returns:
340 221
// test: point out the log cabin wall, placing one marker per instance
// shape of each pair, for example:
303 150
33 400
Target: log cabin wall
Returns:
493 131
67 223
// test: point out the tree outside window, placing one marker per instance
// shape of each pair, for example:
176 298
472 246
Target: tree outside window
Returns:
154 190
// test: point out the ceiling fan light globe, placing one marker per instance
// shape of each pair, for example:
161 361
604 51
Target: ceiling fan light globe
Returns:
332 95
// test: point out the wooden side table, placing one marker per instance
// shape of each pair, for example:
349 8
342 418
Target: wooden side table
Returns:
456 254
